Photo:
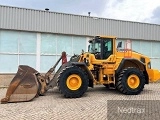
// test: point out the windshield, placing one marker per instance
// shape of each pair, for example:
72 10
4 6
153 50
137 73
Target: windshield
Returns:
94 47
108 44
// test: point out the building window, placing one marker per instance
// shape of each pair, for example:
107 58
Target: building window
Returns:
16 48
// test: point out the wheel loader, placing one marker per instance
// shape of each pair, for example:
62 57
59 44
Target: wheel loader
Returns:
104 63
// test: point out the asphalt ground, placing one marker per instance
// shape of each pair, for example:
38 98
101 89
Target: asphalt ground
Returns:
97 103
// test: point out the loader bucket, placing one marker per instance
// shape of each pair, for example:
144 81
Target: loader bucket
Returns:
23 87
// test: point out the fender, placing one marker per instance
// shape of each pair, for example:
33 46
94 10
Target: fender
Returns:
131 62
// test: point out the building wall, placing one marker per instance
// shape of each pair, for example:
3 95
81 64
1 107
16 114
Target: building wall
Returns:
53 22
41 50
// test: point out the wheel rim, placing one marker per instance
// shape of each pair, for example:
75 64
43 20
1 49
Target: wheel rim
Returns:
74 82
133 81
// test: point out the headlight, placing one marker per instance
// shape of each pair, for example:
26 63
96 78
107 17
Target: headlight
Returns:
149 65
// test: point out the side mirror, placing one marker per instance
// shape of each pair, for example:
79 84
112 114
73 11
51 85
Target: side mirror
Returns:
119 45
88 48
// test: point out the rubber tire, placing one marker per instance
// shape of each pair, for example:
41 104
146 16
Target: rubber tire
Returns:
121 82
62 82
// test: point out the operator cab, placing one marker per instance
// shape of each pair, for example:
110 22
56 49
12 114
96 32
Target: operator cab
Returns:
101 47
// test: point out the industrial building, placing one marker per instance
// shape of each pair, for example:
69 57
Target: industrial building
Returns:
37 37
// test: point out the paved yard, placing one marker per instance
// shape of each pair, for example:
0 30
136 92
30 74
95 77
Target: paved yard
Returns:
93 105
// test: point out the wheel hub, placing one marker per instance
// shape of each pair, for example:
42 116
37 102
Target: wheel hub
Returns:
74 82
133 81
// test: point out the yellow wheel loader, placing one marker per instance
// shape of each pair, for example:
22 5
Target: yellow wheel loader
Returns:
104 63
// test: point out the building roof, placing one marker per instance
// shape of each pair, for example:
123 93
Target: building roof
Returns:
24 19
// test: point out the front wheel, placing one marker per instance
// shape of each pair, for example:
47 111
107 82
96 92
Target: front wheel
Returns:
73 82
130 81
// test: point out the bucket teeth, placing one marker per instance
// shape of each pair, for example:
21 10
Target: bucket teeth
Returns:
5 100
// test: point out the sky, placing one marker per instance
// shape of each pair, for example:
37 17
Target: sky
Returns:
147 11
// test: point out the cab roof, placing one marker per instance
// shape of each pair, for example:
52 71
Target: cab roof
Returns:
102 36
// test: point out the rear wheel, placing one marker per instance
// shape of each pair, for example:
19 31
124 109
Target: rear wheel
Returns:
130 81
73 82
